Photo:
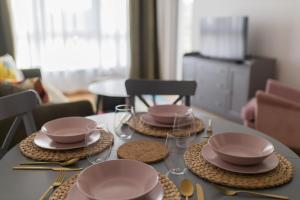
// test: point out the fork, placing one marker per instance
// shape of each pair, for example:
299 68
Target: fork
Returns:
229 192
58 181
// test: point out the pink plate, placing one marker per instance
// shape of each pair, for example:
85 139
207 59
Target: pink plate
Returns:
241 148
148 119
156 194
45 142
117 180
68 129
266 165
166 113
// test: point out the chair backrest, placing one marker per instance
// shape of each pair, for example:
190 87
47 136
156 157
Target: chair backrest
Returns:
141 87
20 106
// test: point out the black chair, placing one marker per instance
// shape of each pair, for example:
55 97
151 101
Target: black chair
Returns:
19 105
137 88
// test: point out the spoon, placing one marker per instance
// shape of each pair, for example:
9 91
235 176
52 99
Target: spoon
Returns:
65 163
186 188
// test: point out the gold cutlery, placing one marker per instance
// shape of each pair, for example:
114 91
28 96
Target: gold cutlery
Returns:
46 168
58 181
200 192
209 130
186 188
229 192
64 164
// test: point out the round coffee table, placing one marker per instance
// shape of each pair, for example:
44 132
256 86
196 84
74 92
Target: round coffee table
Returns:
110 92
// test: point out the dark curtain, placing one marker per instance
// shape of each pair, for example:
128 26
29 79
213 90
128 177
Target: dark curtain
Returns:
144 39
6 37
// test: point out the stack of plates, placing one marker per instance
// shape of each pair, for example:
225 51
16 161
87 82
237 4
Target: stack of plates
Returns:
163 115
240 153
67 133
117 180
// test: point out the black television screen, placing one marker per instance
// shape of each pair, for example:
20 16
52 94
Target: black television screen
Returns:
224 37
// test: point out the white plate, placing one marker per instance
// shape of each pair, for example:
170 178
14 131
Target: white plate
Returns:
149 120
156 194
43 141
266 165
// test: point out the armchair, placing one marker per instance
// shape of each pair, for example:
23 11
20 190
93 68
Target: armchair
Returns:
276 112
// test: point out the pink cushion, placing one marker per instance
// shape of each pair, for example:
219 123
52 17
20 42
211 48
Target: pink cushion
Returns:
248 111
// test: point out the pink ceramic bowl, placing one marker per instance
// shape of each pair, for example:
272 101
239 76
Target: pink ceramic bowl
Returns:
240 148
68 129
117 180
166 113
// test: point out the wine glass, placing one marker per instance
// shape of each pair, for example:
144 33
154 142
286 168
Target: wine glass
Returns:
93 156
178 140
122 115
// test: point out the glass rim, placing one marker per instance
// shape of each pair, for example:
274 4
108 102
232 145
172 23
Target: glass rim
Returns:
123 107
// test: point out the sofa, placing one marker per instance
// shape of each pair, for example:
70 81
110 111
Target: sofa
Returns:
44 112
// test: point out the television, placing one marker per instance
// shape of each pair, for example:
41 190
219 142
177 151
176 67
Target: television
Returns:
224 37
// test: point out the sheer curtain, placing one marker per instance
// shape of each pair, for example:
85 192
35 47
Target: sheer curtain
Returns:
74 41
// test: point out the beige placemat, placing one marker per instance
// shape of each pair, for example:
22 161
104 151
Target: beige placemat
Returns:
282 174
170 190
143 150
30 150
137 124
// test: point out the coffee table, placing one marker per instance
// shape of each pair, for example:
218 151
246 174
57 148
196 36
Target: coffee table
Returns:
110 92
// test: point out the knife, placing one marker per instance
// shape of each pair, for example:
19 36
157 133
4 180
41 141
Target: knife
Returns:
46 168
209 128
200 192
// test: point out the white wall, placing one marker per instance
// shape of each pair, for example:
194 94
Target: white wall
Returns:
274 30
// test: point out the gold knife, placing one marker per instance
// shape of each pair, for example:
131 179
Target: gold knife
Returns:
200 192
46 168
209 128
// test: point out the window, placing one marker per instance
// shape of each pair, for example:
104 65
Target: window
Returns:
71 34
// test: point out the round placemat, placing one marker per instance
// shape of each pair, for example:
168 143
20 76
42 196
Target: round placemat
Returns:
143 150
170 189
137 124
282 174
30 150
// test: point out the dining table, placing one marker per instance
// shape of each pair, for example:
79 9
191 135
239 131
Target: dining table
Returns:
30 184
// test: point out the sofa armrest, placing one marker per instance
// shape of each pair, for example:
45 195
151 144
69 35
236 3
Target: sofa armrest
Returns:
48 112
282 90
31 73
279 118
8 88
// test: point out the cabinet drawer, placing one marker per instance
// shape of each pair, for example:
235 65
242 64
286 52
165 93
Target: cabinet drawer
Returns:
211 81
213 66
212 76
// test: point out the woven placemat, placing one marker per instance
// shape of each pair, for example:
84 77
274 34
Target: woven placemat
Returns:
143 150
137 124
170 190
30 150
282 174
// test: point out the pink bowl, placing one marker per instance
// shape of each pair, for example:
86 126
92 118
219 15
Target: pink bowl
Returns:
241 148
68 129
166 113
117 180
